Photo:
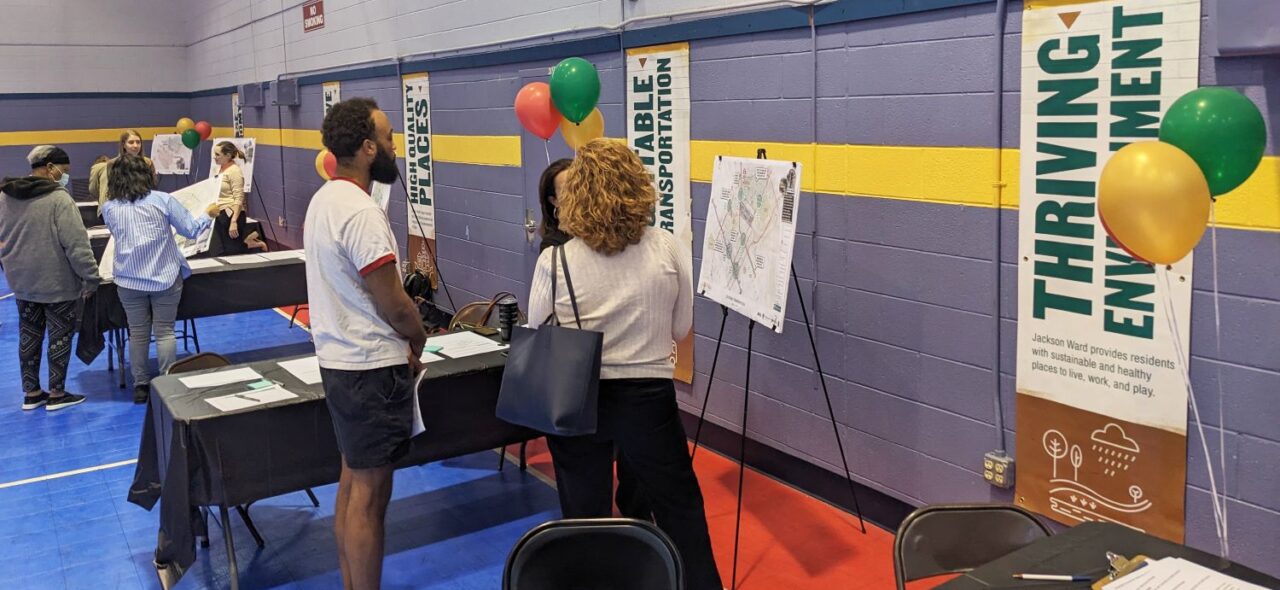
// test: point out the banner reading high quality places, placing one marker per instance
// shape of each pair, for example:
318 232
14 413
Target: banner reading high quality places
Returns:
418 176
1102 401
658 130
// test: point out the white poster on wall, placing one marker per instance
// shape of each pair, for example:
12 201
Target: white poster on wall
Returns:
658 130
1103 338
421 218
248 147
169 155
237 115
331 92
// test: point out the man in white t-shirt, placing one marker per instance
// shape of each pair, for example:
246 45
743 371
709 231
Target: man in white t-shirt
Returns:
367 331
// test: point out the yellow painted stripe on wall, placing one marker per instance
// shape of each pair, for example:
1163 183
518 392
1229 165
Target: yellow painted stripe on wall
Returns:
947 175
957 176
63 136
485 150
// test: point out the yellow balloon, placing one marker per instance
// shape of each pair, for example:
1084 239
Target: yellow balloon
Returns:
1154 201
184 124
578 134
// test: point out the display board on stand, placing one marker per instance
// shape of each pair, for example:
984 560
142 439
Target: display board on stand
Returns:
746 266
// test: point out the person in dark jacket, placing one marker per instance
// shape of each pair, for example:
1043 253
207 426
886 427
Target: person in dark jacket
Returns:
46 257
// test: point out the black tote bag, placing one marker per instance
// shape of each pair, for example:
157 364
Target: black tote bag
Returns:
552 379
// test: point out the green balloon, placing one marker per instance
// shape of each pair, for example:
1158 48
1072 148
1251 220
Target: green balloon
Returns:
575 88
1221 130
191 138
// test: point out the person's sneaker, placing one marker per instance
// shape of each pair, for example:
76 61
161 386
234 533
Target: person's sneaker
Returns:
63 401
141 393
31 402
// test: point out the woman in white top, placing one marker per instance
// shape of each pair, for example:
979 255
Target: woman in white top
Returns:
633 284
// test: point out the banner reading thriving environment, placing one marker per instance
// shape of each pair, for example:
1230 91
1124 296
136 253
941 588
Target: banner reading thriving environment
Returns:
331 93
237 115
658 130
418 171
1102 402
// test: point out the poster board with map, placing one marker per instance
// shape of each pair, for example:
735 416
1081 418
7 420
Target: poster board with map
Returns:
750 235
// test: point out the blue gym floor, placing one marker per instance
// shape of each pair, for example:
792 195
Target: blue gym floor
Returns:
450 524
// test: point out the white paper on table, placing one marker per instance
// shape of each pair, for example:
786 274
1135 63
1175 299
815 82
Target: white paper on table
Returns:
418 426
463 344
227 403
428 357
267 395
99 232
243 259
107 266
199 263
307 370
282 255
1172 573
217 378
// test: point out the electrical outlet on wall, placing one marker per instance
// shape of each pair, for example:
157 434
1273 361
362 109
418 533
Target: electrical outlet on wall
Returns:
997 469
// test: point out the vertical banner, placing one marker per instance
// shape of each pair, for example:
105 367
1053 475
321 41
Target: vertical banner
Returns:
418 171
1102 400
331 92
237 116
658 130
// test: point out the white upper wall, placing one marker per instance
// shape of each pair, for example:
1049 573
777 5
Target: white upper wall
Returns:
184 45
241 41
92 46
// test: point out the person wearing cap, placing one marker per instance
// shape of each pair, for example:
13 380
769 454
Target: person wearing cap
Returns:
46 258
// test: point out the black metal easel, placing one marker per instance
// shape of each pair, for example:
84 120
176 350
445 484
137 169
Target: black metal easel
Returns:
746 388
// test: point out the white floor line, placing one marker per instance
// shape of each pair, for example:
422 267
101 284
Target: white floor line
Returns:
20 482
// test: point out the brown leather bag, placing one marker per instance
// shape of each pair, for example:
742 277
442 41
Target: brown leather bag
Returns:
480 314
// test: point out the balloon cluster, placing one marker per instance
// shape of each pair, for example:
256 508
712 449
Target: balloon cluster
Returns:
192 132
1154 196
568 103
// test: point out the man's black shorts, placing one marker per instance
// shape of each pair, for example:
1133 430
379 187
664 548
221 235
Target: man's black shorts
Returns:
372 413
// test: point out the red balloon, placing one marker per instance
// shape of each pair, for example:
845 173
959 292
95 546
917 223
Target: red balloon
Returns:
204 129
535 110
330 164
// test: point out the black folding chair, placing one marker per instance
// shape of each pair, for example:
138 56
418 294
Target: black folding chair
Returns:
956 538
597 553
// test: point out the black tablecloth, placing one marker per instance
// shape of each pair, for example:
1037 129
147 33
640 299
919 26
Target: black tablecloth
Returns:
192 455
207 292
1082 550
99 243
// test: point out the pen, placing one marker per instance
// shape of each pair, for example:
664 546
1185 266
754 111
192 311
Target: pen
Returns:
1051 577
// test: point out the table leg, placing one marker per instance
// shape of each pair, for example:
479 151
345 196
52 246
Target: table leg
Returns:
524 457
314 501
231 548
248 523
121 340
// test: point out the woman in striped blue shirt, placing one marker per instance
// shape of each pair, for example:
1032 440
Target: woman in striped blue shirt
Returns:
148 269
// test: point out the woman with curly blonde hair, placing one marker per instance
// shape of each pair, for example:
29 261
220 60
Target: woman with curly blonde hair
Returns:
634 284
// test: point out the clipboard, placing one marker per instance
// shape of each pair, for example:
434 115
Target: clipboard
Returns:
1120 566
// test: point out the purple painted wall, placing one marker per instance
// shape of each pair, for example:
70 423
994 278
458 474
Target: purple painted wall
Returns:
29 114
900 290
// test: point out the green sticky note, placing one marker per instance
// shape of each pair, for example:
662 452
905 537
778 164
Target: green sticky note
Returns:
261 385
431 348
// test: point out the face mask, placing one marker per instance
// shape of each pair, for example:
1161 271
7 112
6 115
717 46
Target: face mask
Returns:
65 180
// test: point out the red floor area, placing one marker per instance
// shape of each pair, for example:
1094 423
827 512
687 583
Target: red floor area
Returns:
789 540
